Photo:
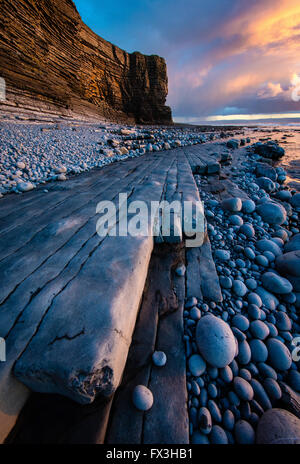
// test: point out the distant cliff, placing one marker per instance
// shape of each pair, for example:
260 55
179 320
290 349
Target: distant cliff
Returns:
52 61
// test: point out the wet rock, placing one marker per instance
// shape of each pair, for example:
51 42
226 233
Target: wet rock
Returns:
248 206
25 186
197 365
259 351
243 389
259 330
268 245
269 300
264 170
293 244
244 433
232 204
159 358
266 184
269 150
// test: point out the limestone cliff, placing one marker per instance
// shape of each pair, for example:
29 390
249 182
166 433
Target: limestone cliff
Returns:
52 61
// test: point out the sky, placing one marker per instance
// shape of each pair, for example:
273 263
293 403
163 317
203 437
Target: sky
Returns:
227 59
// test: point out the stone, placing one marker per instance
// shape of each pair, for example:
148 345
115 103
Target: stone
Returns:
199 438
272 213
197 365
232 204
159 358
232 144
283 321
21 165
268 245
259 351
25 186
244 354
243 389
222 255
276 284
279 355
269 150
265 170
266 184
259 330
248 230
239 288
180 271
260 395
236 220
204 420
218 436
241 322
142 398
273 389
248 206
269 300
278 426
244 433
215 341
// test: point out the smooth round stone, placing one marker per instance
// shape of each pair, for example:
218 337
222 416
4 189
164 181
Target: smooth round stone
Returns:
218 436
212 390
283 321
260 395
244 433
294 380
248 206
278 426
272 213
225 282
199 438
214 411
239 288
222 255
25 186
228 420
279 355
251 284
243 389
241 322
195 313
269 300
270 256
249 253
267 371
272 328
215 341
190 302
239 335
244 355
273 389
254 298
232 204
262 260
159 358
245 374
205 421
284 195
276 284
247 230
213 372
259 330
142 398
254 312
236 220
268 245
226 374
259 351
266 184
197 365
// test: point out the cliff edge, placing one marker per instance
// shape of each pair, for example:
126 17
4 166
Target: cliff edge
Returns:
52 62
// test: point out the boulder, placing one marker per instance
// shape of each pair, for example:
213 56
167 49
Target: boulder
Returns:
278 426
276 284
266 184
215 341
269 150
265 170
272 213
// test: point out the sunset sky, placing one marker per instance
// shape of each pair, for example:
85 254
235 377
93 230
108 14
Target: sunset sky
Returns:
225 58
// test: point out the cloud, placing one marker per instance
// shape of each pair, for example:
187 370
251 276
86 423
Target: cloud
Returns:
220 53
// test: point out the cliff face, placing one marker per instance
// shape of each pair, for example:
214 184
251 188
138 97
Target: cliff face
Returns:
51 59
